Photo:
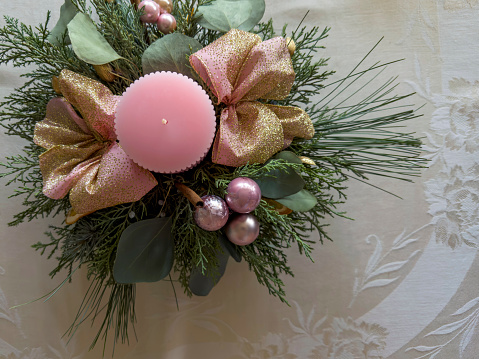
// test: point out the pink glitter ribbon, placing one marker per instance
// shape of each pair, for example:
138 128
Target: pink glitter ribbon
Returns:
83 157
239 69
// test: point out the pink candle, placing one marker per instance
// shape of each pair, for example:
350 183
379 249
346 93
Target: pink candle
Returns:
165 122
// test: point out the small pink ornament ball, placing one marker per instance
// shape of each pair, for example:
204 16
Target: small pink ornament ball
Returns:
243 195
151 11
166 23
166 6
243 229
213 215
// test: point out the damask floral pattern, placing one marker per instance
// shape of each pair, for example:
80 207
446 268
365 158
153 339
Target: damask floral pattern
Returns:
326 338
380 271
347 339
453 195
454 127
34 353
15 327
272 346
454 5
453 205
460 330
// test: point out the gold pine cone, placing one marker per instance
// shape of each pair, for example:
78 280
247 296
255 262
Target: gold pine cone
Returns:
307 160
105 72
56 85
291 45
280 208
72 217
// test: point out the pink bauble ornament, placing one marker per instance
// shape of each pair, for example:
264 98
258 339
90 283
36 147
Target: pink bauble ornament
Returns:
213 215
151 11
243 195
166 6
166 23
243 229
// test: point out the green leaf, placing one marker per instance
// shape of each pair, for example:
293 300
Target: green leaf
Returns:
302 201
231 248
170 53
224 15
67 13
280 183
256 15
288 156
145 252
89 45
201 283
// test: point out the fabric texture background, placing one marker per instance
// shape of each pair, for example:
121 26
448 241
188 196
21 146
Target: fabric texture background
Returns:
399 282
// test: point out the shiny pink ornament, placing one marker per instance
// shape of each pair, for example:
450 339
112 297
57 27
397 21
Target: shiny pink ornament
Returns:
166 23
243 195
166 6
243 229
151 11
213 215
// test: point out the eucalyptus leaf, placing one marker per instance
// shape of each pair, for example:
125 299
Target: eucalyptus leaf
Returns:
224 15
280 183
301 201
67 13
288 156
258 7
200 283
231 248
170 53
145 252
89 45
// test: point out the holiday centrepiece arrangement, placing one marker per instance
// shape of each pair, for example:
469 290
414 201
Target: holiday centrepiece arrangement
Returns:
173 135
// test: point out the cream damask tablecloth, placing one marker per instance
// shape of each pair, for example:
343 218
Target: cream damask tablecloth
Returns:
400 281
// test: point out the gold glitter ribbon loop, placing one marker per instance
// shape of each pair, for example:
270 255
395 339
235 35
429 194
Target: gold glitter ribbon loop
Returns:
93 100
240 69
82 157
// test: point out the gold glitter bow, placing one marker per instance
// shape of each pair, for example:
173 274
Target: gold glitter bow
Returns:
240 69
82 155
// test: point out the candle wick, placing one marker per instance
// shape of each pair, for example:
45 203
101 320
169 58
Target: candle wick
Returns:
164 121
